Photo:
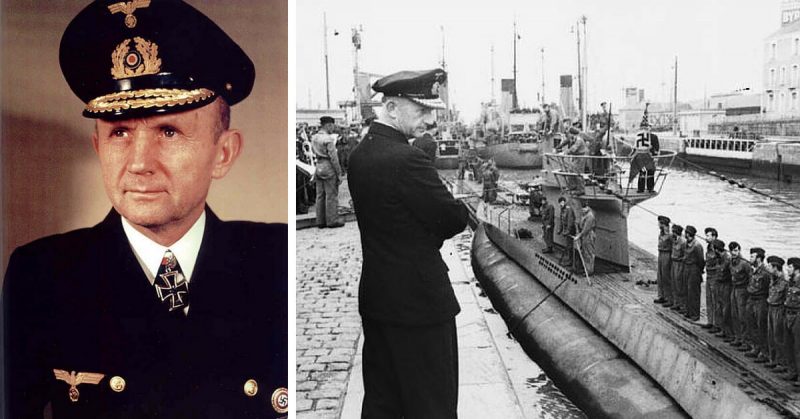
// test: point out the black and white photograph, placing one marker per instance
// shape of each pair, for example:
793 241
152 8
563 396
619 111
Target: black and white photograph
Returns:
571 209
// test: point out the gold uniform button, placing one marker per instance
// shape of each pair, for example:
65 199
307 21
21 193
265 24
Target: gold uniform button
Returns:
117 383
250 387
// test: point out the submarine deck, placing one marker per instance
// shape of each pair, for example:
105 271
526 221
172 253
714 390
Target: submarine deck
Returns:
706 375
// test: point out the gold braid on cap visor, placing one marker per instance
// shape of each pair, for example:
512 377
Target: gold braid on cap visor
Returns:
146 98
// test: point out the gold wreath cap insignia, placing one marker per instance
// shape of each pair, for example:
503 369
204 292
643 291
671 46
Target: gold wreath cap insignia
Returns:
126 63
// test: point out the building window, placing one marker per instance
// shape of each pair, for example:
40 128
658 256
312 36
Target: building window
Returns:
783 75
772 77
782 102
774 50
794 101
796 46
771 103
794 76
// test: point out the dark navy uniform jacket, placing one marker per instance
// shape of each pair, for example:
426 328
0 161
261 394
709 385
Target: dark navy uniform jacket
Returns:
81 302
428 145
404 214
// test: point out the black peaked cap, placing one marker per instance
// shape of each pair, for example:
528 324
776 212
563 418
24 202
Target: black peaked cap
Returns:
138 58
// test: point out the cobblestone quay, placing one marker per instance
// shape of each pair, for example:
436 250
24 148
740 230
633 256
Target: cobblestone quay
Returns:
328 324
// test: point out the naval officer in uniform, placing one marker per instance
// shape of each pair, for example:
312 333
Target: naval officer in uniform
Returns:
161 309
404 213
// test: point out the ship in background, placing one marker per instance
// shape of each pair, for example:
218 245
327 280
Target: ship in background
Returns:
513 135
512 140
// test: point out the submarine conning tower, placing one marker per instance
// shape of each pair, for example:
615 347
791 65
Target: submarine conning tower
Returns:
610 184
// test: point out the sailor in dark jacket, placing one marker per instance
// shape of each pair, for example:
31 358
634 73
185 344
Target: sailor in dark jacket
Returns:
406 302
693 270
792 319
713 272
161 310
677 256
664 273
567 229
776 311
758 290
723 290
741 271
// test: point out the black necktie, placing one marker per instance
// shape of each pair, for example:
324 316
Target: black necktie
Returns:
171 286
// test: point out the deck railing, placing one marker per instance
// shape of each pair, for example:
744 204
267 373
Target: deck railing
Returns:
607 177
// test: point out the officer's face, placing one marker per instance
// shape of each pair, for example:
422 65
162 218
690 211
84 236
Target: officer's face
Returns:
753 258
411 118
735 252
157 170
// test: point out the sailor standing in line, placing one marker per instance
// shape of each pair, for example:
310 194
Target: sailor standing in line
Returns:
758 290
664 273
713 270
406 301
327 175
566 228
723 293
740 277
776 313
792 319
677 255
693 270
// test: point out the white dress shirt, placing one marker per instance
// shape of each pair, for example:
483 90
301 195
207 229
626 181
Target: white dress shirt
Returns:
150 253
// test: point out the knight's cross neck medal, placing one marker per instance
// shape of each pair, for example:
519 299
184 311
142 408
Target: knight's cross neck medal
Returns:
170 283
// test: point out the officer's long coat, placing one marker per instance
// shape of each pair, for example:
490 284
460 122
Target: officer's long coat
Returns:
81 302
404 213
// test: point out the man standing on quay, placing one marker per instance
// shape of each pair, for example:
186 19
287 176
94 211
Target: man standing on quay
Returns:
328 174
405 213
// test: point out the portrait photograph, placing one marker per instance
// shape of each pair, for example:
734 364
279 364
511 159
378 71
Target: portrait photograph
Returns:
144 208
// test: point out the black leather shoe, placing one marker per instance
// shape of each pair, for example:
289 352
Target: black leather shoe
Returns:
336 225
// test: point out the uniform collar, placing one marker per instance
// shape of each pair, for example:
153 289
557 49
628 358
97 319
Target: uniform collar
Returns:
149 253
384 130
